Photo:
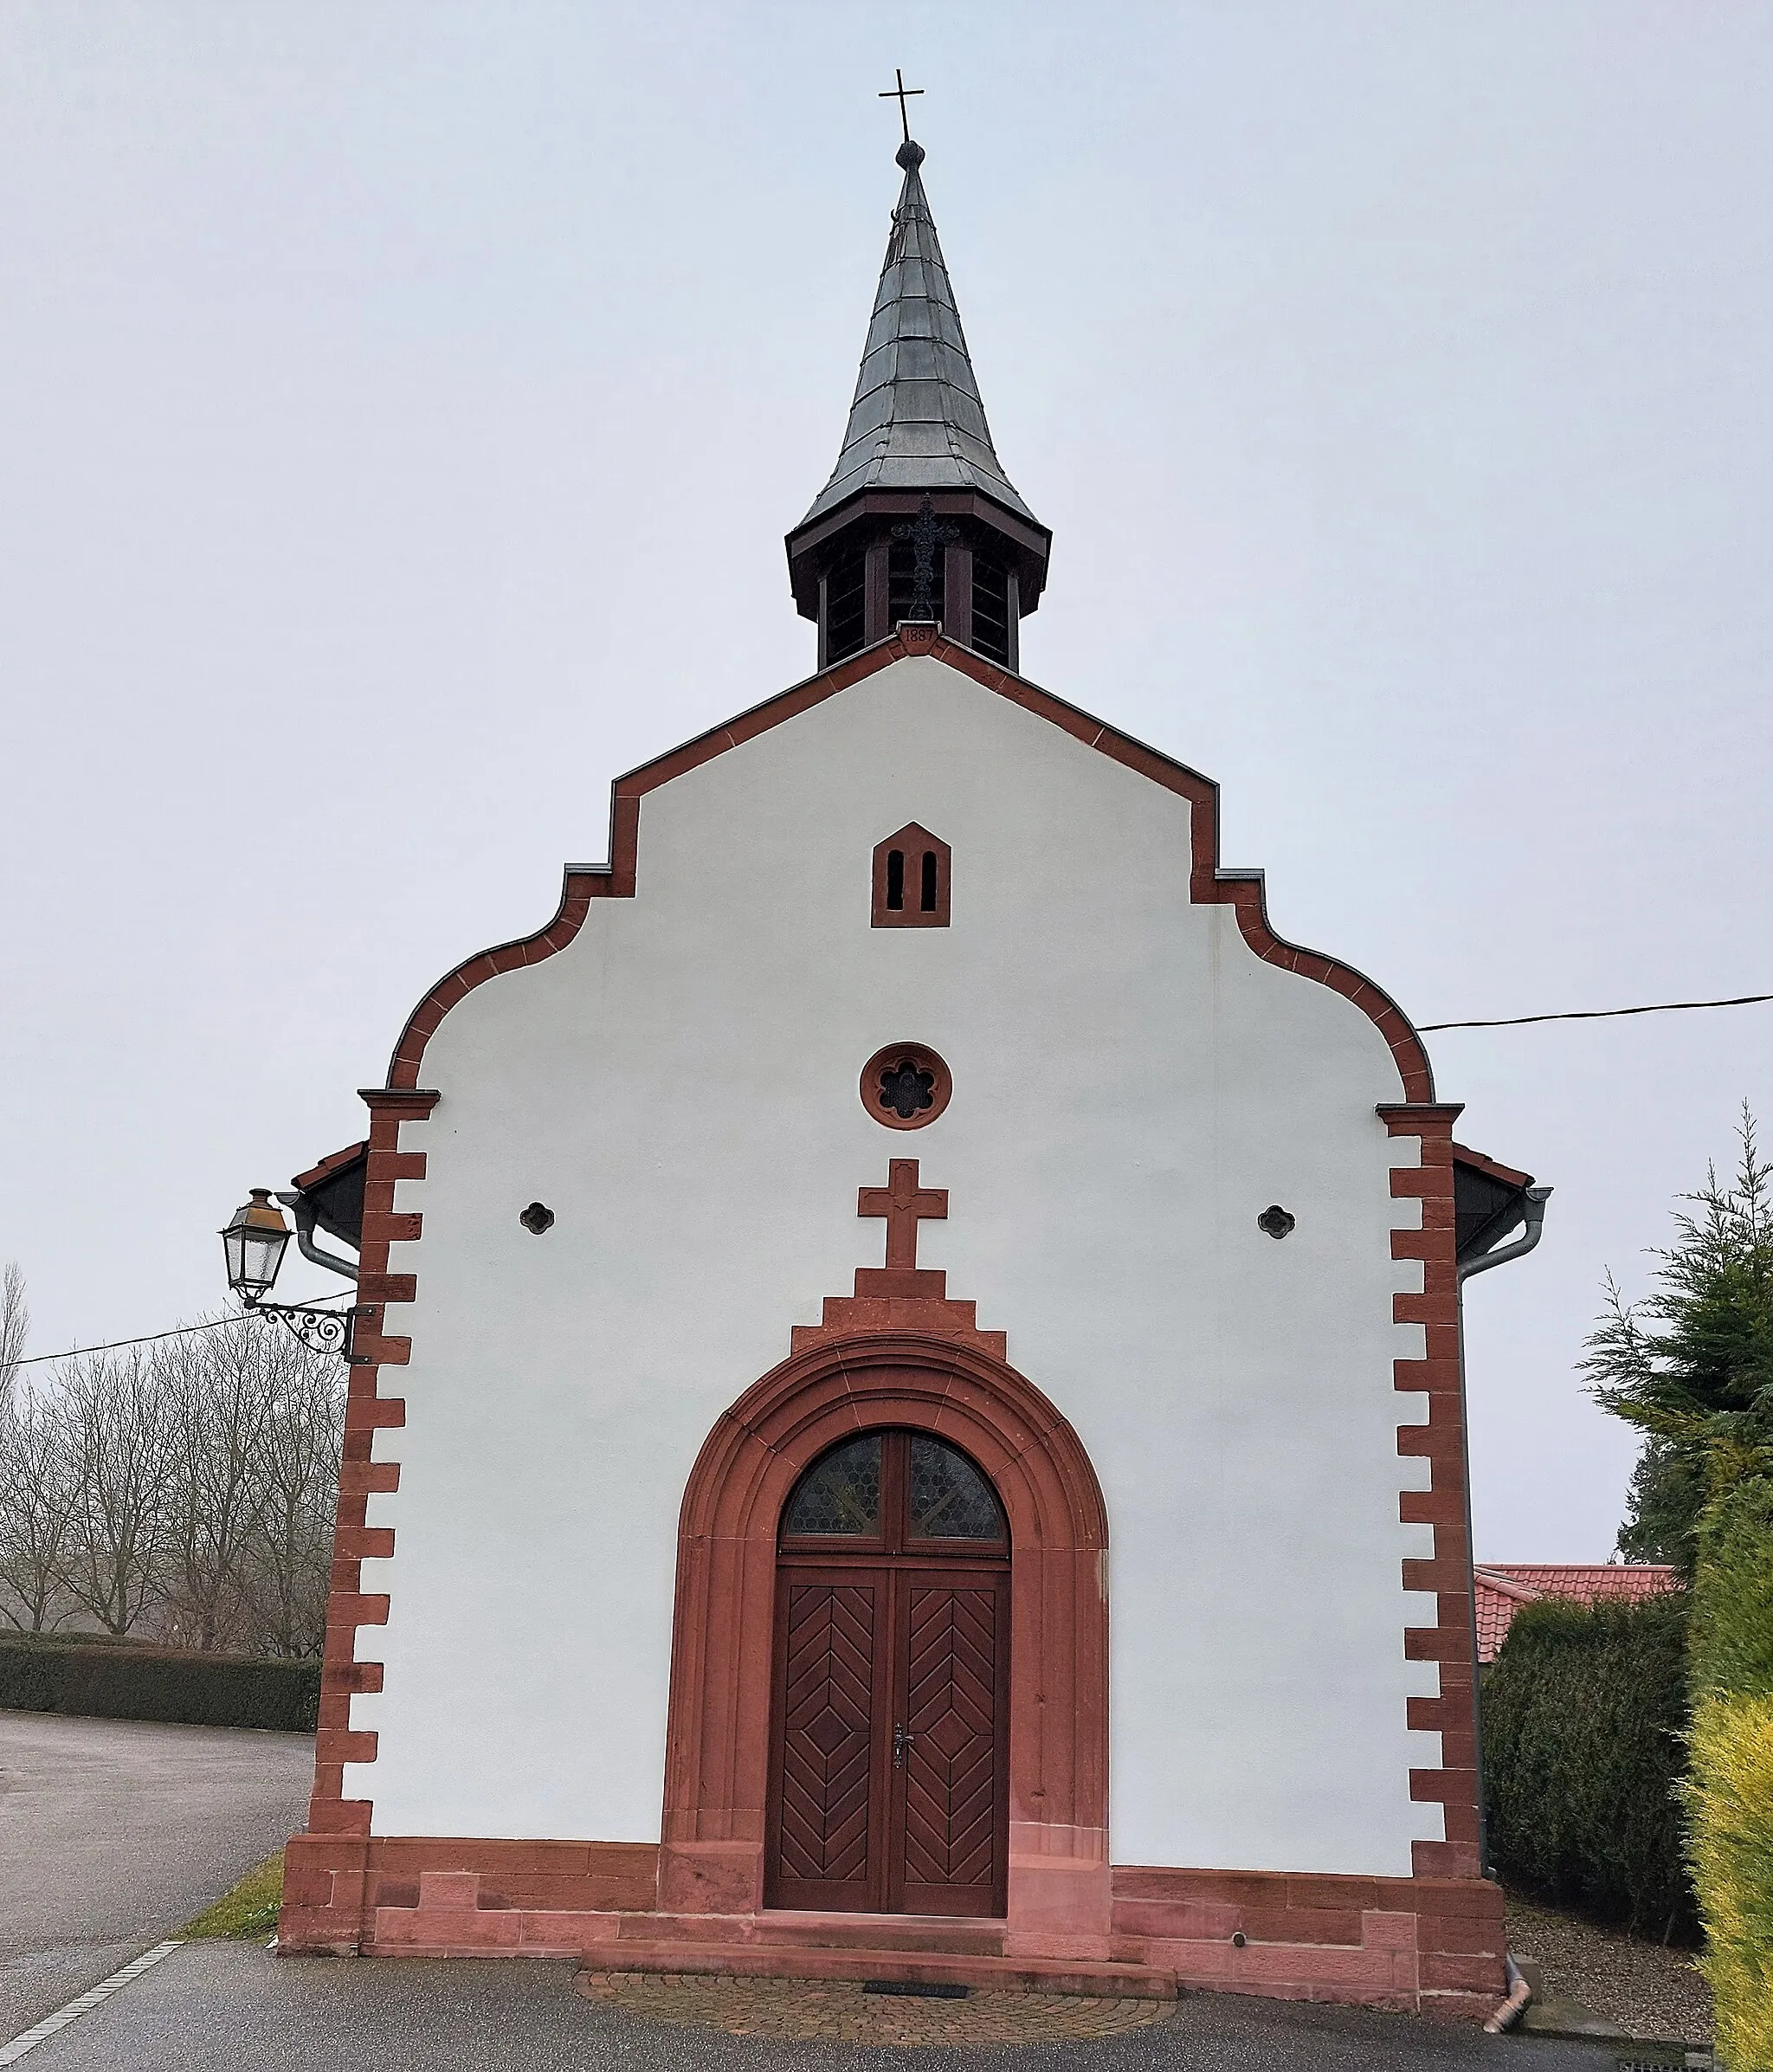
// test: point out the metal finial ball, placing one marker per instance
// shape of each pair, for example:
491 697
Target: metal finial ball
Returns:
909 155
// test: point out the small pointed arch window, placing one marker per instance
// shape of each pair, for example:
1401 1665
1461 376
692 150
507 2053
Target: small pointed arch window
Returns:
910 880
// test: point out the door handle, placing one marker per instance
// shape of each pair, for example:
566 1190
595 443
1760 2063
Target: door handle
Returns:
902 1740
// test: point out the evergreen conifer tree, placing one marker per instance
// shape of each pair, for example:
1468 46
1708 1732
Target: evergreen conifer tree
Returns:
1692 1367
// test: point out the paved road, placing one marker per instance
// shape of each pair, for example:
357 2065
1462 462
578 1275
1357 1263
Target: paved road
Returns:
232 2007
114 1833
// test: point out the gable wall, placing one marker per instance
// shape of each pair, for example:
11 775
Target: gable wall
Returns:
1133 1085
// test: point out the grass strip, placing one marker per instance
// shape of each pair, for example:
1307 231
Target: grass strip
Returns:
247 1913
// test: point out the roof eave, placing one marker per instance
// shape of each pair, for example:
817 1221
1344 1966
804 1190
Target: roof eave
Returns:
1033 542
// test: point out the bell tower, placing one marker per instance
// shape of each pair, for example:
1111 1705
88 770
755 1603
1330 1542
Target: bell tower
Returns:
918 519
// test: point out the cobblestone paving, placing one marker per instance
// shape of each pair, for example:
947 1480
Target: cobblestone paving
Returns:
799 2010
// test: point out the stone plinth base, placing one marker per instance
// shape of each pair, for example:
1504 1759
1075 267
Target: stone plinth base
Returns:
1421 1946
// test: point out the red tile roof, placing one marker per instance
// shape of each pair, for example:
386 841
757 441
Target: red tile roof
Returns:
330 1164
1504 1586
1482 1162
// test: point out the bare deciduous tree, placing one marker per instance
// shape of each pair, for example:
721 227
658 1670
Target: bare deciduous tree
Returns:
116 1403
298 1466
38 1494
218 1400
15 1329
184 1490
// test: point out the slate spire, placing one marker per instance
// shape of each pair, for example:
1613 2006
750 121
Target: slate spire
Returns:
917 422
916 435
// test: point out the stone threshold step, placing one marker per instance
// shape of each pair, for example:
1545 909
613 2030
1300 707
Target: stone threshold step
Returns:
952 1934
1098 1979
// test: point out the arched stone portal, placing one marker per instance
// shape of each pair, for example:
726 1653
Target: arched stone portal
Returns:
718 1734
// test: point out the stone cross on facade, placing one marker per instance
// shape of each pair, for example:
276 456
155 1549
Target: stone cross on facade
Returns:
904 1204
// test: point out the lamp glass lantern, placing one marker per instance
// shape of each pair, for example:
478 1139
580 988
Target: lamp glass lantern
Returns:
255 1241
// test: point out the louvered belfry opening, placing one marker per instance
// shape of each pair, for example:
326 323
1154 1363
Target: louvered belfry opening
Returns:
993 628
845 607
917 445
889 1759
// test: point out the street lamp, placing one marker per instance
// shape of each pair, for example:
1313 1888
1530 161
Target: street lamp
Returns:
254 1240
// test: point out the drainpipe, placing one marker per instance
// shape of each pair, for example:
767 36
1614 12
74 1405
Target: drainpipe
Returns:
303 1210
1519 1993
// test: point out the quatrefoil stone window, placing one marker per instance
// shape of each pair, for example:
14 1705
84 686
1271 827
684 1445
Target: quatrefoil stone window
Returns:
905 1086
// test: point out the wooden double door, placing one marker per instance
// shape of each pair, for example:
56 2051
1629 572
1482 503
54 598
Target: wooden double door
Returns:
889 1765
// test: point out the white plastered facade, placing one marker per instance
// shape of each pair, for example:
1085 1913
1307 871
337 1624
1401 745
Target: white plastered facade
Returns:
1132 1086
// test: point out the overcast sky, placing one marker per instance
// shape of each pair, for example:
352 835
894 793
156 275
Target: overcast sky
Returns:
400 407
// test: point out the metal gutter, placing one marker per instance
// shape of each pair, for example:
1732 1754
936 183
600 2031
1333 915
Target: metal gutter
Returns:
1533 1210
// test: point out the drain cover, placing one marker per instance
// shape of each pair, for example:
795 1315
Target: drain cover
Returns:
903 1990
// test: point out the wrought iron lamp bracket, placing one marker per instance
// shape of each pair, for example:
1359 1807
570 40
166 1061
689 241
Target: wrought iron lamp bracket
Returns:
319 1330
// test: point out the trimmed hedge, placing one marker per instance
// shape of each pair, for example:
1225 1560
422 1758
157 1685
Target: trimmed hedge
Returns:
74 1639
1585 1719
101 1680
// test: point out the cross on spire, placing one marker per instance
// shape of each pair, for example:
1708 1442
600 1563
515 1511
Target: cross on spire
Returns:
905 1204
901 94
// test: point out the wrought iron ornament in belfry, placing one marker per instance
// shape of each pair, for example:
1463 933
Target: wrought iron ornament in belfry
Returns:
319 1330
925 532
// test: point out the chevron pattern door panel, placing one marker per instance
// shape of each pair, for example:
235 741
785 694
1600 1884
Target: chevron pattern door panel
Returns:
888 1788
827 1810
948 1838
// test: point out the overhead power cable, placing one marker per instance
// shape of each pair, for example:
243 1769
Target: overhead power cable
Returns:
154 1336
1578 1014
1597 1014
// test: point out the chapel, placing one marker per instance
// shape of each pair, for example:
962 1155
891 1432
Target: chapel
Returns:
906 1414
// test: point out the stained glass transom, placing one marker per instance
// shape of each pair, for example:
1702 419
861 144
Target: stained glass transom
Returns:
840 1494
949 1498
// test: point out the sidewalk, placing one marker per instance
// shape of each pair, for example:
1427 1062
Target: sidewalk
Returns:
233 2007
